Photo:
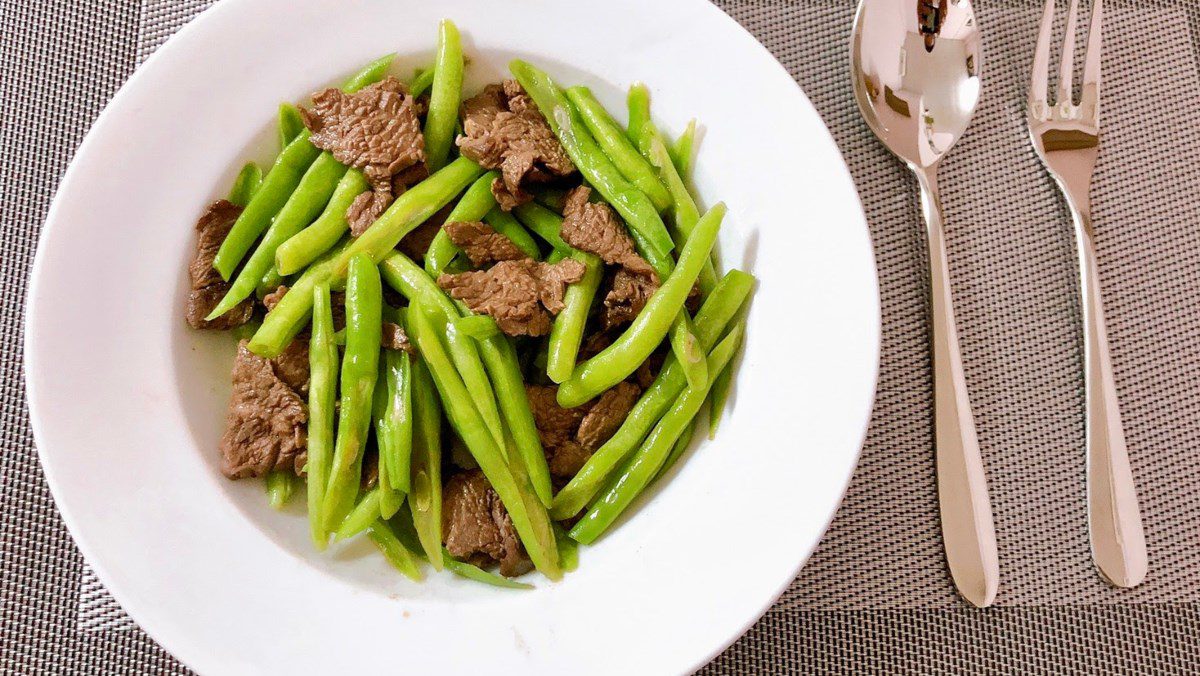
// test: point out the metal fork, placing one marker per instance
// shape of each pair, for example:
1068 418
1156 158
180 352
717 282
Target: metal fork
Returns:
1067 138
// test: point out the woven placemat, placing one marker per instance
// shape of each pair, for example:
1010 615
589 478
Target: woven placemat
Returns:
875 597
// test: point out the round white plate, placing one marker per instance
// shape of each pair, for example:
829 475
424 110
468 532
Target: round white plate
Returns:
127 402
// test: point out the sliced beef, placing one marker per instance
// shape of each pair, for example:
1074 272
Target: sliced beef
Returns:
503 129
520 295
394 337
272 299
606 415
595 228
377 130
481 243
291 366
207 287
416 243
627 295
265 423
648 370
557 428
477 527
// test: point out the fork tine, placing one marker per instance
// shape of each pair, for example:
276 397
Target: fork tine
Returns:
1039 85
1066 67
1091 66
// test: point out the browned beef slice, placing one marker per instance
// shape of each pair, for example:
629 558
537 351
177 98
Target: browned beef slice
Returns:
520 295
272 299
481 243
477 527
370 205
292 365
375 129
595 228
207 287
557 428
648 370
606 415
265 424
503 129
627 295
394 337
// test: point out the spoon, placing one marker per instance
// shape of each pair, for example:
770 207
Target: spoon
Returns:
915 66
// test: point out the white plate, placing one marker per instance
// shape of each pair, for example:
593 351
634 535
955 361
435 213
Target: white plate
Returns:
127 402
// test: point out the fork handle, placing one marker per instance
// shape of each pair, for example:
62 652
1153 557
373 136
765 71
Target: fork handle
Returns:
966 513
1114 522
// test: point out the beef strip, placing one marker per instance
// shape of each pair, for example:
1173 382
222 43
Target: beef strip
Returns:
557 428
377 130
606 415
394 338
520 295
272 299
207 287
477 527
481 243
627 295
265 424
595 228
503 129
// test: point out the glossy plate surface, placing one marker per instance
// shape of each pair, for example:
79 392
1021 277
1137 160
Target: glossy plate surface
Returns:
127 415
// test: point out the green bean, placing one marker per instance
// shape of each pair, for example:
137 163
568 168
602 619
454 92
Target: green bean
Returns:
683 207
396 553
394 425
246 184
474 205
501 361
566 334
552 198
568 550
365 513
409 210
422 81
290 124
686 348
638 211
310 196
425 499
651 325
473 572
445 96
544 223
307 245
409 279
528 516
322 398
360 371
638 101
390 499
617 146
478 327
269 282
682 150
718 398
718 311
276 188
280 485
644 465
504 223
681 444
369 74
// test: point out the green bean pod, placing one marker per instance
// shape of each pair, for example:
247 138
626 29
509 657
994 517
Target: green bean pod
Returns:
280 483
369 74
682 443
504 223
395 422
476 202
544 223
360 371
638 102
651 325
566 334
477 574
638 211
617 146
321 235
411 209
425 498
528 515
683 149
683 209
644 465
445 96
718 311
309 198
290 124
322 398
365 513
686 349
422 81
393 550
478 327
246 184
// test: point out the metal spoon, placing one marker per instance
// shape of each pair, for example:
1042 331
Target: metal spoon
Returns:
915 66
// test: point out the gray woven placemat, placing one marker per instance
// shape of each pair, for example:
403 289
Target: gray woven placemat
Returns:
875 597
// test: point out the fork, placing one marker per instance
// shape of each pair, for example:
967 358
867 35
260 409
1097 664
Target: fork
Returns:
1067 138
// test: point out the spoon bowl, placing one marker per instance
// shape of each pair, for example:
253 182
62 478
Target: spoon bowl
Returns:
916 74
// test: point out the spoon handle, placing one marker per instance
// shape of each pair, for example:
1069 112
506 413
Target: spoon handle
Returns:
967 529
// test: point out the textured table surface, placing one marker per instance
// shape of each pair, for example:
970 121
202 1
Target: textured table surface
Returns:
875 597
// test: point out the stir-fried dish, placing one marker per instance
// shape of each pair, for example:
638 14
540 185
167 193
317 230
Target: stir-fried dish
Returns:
473 329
